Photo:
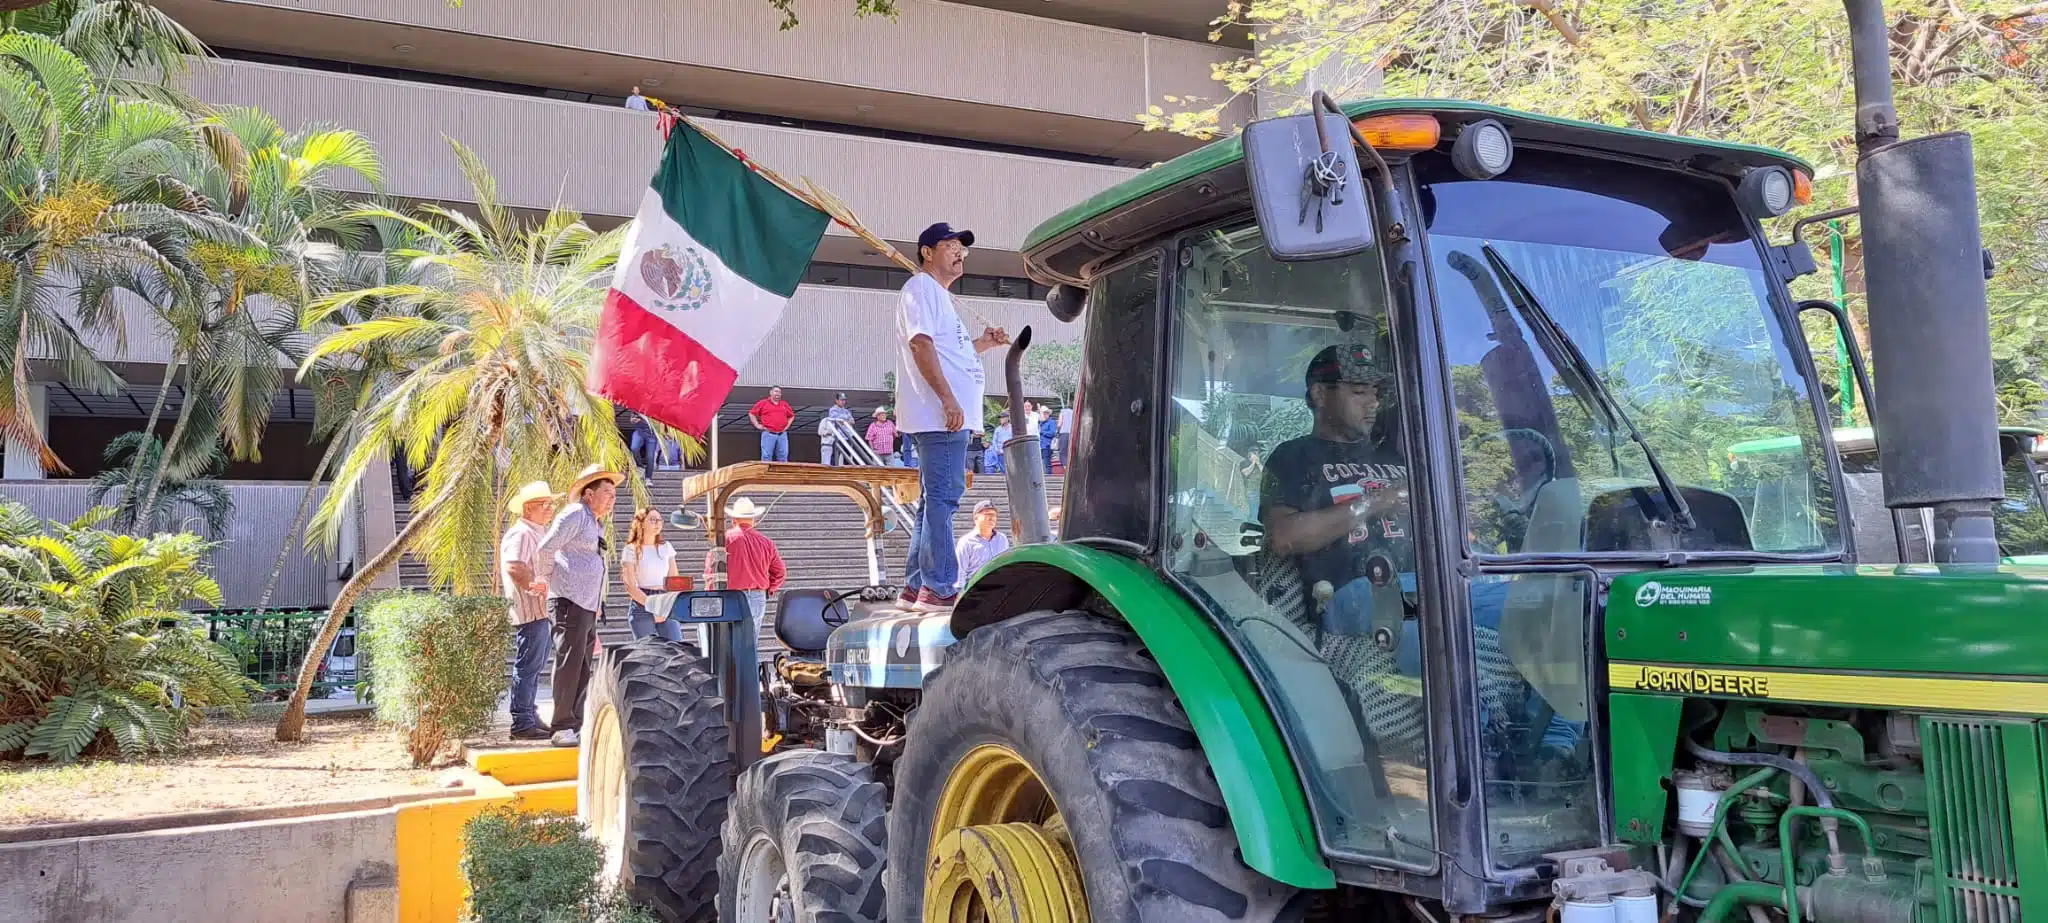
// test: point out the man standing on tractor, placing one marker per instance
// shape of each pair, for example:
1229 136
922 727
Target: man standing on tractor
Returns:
939 378
1336 500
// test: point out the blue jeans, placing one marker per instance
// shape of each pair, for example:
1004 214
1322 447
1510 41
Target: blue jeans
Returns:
942 476
646 450
774 446
644 624
530 645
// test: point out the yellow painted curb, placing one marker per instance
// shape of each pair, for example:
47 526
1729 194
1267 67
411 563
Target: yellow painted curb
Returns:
547 796
528 766
430 884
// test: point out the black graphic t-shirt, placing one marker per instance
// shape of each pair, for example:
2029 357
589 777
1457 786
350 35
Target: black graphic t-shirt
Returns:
1309 474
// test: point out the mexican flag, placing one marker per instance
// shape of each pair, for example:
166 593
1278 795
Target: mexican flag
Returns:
711 258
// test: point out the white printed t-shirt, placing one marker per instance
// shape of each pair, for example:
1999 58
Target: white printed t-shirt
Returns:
927 308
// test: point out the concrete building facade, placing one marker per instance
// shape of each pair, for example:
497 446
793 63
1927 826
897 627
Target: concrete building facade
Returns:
989 114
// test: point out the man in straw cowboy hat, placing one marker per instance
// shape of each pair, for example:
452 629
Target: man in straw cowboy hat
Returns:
752 562
518 555
571 564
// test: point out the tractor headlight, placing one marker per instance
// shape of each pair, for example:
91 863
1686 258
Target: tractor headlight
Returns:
1483 150
1765 192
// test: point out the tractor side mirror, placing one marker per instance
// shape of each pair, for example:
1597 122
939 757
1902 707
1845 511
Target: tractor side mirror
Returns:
1307 192
686 519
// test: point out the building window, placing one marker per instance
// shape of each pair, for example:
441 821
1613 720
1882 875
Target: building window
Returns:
891 278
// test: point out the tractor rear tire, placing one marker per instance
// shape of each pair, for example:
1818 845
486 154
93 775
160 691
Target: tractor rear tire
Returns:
655 775
812 822
1078 699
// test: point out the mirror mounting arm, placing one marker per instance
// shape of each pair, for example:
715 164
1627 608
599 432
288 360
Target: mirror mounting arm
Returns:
1322 101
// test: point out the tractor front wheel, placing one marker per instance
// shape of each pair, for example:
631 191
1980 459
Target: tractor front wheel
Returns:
654 776
1050 776
804 842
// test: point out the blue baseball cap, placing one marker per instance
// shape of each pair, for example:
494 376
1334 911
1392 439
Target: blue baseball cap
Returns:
942 231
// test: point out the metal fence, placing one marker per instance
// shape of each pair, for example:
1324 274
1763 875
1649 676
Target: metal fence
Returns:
271 643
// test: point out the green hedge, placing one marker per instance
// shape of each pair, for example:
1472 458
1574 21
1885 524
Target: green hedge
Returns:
440 665
537 868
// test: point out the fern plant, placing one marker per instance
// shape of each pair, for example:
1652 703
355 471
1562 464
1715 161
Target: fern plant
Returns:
95 656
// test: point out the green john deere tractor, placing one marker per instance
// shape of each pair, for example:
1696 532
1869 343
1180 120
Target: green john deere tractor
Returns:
1406 571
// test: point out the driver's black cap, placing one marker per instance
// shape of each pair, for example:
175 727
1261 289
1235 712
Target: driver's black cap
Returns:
1348 363
941 232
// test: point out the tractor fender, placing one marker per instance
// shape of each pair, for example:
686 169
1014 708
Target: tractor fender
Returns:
1261 787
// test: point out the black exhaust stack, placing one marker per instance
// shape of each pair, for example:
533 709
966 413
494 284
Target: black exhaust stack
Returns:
1930 336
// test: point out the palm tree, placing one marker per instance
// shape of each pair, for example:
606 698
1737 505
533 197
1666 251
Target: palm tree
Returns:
192 484
133 46
244 308
343 384
85 191
504 315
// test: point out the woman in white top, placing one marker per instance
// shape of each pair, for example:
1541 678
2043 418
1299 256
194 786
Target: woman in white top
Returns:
645 563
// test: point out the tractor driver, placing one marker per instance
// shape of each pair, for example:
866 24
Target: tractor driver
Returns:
1336 500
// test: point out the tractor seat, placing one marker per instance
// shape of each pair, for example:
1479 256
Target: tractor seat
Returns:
804 619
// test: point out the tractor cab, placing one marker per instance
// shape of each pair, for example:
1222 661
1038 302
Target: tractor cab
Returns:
1397 471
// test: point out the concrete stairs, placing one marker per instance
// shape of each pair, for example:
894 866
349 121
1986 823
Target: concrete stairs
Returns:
819 536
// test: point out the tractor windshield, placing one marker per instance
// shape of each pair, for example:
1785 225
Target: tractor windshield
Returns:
1654 279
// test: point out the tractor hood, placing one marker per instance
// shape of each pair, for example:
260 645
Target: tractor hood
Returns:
1975 619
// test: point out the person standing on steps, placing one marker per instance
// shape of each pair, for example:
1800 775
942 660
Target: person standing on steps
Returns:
571 563
993 461
518 553
977 548
637 102
752 562
772 416
938 380
1048 434
829 432
645 444
881 437
645 565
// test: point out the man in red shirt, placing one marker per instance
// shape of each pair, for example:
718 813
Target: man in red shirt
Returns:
772 416
752 562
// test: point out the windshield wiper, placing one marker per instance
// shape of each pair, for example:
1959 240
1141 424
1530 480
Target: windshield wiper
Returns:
1563 348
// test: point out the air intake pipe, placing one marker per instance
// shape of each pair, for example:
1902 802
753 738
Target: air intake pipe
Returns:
1023 468
1930 339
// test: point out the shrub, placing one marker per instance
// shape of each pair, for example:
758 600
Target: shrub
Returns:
537 868
440 665
95 656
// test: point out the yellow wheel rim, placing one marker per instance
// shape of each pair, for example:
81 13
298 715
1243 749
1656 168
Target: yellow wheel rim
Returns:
999 849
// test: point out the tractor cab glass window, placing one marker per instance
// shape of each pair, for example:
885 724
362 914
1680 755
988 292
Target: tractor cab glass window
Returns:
1604 321
1288 518
2021 523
